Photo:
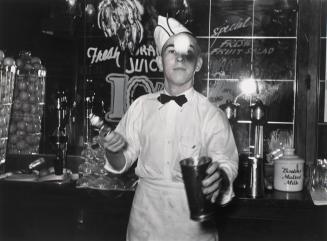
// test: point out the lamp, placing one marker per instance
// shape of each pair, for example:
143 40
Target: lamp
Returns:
248 86
89 9
74 8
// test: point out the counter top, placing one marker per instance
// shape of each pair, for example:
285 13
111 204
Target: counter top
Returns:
282 199
270 199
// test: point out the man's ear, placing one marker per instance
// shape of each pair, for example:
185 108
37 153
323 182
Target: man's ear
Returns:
159 63
199 63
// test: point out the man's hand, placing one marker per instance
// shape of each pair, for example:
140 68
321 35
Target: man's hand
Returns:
113 142
216 182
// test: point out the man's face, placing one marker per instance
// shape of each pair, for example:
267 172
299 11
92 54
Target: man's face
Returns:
180 60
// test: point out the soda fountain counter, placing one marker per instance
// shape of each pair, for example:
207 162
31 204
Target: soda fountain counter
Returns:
51 211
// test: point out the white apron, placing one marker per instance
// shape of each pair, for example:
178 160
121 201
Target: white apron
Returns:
160 213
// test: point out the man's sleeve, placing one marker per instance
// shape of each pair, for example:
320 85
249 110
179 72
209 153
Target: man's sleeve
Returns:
221 148
129 127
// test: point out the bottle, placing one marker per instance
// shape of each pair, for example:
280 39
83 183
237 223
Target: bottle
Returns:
58 164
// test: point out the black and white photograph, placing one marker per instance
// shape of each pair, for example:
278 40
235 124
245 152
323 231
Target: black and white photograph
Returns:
163 120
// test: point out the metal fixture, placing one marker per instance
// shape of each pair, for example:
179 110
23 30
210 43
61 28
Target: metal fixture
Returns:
230 110
59 136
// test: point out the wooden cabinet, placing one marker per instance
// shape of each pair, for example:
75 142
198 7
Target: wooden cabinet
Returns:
310 127
50 212
46 212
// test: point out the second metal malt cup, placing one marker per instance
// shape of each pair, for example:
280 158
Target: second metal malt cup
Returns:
255 187
194 171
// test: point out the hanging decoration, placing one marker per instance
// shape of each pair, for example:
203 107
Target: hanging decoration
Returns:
122 18
183 11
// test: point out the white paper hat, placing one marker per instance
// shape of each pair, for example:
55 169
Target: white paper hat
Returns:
166 28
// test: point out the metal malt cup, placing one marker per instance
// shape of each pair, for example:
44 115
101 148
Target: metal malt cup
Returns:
255 187
193 172
242 181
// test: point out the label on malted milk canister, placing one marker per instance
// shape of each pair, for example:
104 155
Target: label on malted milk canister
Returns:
288 173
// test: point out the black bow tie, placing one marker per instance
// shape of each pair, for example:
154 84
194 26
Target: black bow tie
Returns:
180 100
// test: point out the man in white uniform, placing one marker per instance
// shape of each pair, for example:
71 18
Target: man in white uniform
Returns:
159 130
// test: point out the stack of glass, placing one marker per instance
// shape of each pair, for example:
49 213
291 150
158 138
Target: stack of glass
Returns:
28 104
7 79
92 173
318 175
